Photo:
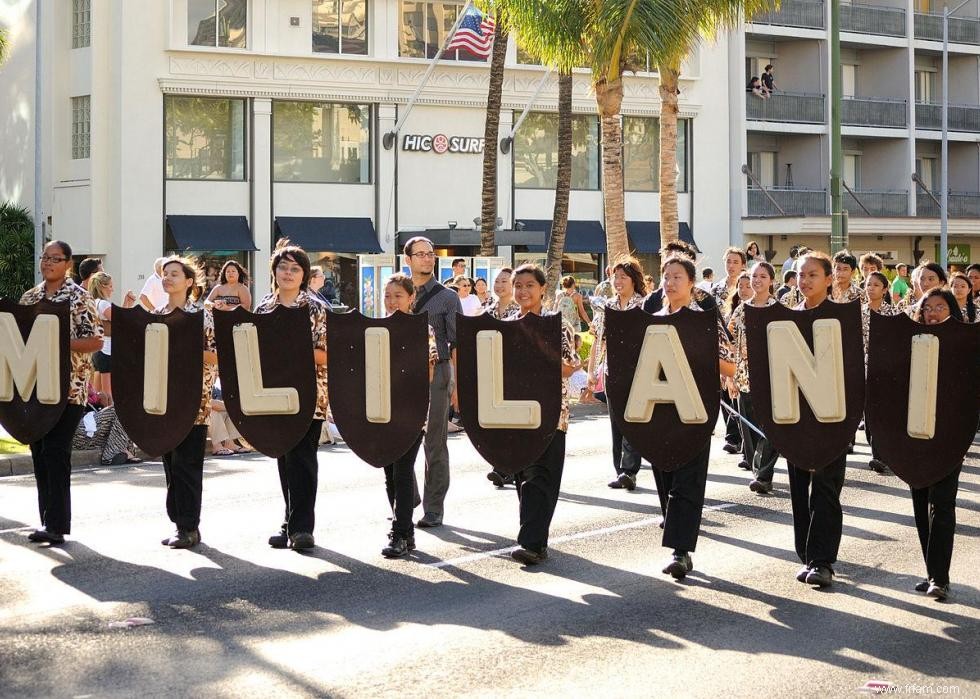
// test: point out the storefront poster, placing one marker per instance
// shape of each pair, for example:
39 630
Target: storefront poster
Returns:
367 286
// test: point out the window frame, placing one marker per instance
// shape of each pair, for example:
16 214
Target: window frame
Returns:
246 138
320 103
340 31
684 178
81 24
216 45
81 127
598 158
425 41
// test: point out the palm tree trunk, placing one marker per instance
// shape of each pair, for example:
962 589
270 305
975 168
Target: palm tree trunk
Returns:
609 99
488 210
669 75
563 184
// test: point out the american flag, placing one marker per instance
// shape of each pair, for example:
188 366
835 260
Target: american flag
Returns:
475 33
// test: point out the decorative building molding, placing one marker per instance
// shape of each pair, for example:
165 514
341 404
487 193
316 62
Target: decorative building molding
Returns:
230 67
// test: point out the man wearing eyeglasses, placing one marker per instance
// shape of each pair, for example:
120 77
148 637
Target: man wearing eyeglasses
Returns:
442 305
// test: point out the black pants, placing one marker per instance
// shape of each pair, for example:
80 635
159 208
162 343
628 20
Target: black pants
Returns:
758 451
817 517
625 458
403 491
184 469
52 471
685 503
298 478
733 434
871 441
935 520
538 486
664 480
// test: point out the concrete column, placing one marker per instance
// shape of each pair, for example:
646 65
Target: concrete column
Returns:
261 193
738 139
385 188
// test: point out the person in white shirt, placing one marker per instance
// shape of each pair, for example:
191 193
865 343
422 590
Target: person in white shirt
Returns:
153 296
470 301
707 279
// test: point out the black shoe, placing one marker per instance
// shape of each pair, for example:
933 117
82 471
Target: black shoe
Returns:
922 586
529 557
821 576
183 539
731 448
280 540
43 536
877 465
398 546
627 481
760 487
615 484
499 479
939 592
850 448
745 465
679 566
429 521
301 541
802 574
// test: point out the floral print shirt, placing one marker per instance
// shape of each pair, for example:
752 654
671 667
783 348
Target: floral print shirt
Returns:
740 345
500 312
725 351
849 294
210 370
318 325
83 322
599 320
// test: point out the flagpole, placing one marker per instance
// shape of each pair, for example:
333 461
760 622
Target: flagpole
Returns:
505 143
389 138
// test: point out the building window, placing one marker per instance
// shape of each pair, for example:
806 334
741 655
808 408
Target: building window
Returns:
220 23
424 28
340 26
925 86
321 142
81 127
763 165
927 168
536 152
641 154
205 138
81 23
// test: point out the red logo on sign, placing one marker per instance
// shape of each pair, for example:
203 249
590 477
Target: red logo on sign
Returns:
440 143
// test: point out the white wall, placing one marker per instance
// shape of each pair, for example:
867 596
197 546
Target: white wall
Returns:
17 98
304 199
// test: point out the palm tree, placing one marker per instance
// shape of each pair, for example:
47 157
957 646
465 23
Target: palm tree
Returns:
16 251
3 45
488 210
563 181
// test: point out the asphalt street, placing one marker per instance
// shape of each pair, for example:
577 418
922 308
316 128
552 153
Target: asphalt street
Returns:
234 618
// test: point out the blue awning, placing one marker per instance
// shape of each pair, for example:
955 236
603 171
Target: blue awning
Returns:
208 233
329 233
645 235
580 236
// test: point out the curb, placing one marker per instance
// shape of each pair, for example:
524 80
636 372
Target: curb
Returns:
22 464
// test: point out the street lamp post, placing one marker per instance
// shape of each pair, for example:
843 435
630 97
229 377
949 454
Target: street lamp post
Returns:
944 172
838 225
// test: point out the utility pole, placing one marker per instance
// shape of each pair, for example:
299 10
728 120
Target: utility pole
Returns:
838 226
38 151
944 173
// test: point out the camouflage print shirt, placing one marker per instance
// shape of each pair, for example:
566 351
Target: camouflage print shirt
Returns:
887 309
210 370
83 323
500 312
318 325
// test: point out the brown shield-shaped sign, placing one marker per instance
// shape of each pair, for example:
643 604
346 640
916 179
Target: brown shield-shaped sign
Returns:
29 420
922 461
159 428
665 440
373 362
808 443
531 352
285 350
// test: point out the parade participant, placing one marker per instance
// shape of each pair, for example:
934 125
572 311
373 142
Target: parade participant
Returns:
752 254
655 300
973 274
789 283
298 468
684 486
868 263
629 286
876 293
569 303
934 507
442 306
501 307
52 453
183 466
100 288
735 262
960 285
844 288
743 292
927 276
403 492
817 514
232 288
538 485
759 456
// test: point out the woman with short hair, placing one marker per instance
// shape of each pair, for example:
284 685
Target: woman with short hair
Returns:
467 299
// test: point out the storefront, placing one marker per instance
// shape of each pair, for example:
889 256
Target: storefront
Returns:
212 240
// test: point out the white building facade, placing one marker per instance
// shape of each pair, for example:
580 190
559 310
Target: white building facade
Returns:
215 126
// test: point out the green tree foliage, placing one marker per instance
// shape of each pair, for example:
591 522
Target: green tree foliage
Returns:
16 250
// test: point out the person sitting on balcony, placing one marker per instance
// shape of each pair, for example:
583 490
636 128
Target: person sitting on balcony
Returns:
768 81
755 87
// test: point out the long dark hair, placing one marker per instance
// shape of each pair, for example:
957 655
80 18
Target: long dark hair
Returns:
947 295
735 299
191 271
634 270
242 274
971 306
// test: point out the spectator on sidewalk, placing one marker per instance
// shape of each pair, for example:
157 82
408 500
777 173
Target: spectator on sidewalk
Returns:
152 295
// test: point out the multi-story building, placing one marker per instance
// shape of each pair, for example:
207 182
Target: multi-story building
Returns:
891 63
216 126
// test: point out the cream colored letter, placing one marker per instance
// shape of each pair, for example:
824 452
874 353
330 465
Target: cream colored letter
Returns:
819 374
377 375
923 383
35 363
493 411
156 368
662 352
255 398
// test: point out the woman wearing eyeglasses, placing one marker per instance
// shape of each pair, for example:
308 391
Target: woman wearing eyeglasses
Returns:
470 301
52 453
298 468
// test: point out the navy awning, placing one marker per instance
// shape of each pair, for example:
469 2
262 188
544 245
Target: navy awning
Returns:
580 236
208 233
329 234
467 237
645 235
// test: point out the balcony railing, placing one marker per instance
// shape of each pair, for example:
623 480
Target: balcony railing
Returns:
786 106
795 202
878 203
962 30
962 117
808 14
961 204
872 19
874 111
